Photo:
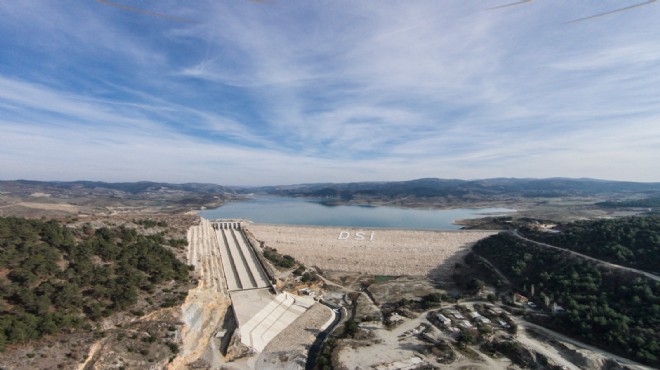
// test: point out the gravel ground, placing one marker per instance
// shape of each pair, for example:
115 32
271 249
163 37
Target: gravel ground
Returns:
389 252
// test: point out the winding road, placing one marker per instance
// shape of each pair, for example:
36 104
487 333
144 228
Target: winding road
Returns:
517 234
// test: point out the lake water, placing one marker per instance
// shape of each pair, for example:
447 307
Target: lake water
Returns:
300 211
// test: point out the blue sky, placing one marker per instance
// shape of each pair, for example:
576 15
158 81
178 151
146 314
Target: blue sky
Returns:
281 92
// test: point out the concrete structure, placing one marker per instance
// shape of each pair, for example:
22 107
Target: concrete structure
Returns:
242 268
261 315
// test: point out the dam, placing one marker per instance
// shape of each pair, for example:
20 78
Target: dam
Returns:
261 312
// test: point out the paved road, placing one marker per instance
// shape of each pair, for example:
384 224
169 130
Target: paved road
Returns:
596 260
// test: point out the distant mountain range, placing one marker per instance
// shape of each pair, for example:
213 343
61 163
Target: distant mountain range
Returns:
45 198
120 189
420 192
453 191
431 187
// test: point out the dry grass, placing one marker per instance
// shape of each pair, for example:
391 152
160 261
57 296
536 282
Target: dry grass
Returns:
391 252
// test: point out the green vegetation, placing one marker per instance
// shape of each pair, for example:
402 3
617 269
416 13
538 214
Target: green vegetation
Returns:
324 361
350 328
431 300
284 261
653 202
178 243
631 241
308 277
60 278
149 223
615 310
383 278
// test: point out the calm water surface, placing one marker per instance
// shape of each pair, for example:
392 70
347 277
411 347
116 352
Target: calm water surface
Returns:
298 211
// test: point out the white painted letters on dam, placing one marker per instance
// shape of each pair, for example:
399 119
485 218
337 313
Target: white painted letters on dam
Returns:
345 235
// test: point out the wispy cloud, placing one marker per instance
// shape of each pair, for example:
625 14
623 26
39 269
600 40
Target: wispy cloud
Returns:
258 93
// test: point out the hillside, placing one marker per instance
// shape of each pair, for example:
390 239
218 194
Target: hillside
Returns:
453 192
59 278
614 310
141 189
56 199
52 198
630 241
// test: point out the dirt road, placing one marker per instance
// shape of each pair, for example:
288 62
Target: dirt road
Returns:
517 234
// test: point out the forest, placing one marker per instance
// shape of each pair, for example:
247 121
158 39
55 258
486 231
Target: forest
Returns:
617 311
629 241
652 202
55 278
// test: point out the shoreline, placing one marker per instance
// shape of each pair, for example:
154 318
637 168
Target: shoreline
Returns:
382 216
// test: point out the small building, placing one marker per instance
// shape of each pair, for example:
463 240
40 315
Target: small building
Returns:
494 311
474 315
458 316
557 308
443 319
465 324
482 320
519 298
503 324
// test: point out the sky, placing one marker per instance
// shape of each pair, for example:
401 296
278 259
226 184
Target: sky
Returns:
284 92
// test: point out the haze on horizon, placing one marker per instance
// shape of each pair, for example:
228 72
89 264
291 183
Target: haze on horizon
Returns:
279 92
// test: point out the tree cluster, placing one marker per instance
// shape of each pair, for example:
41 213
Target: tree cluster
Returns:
60 278
279 260
609 308
653 202
630 241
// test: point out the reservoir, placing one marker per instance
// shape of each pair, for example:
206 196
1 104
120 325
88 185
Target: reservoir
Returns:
311 212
